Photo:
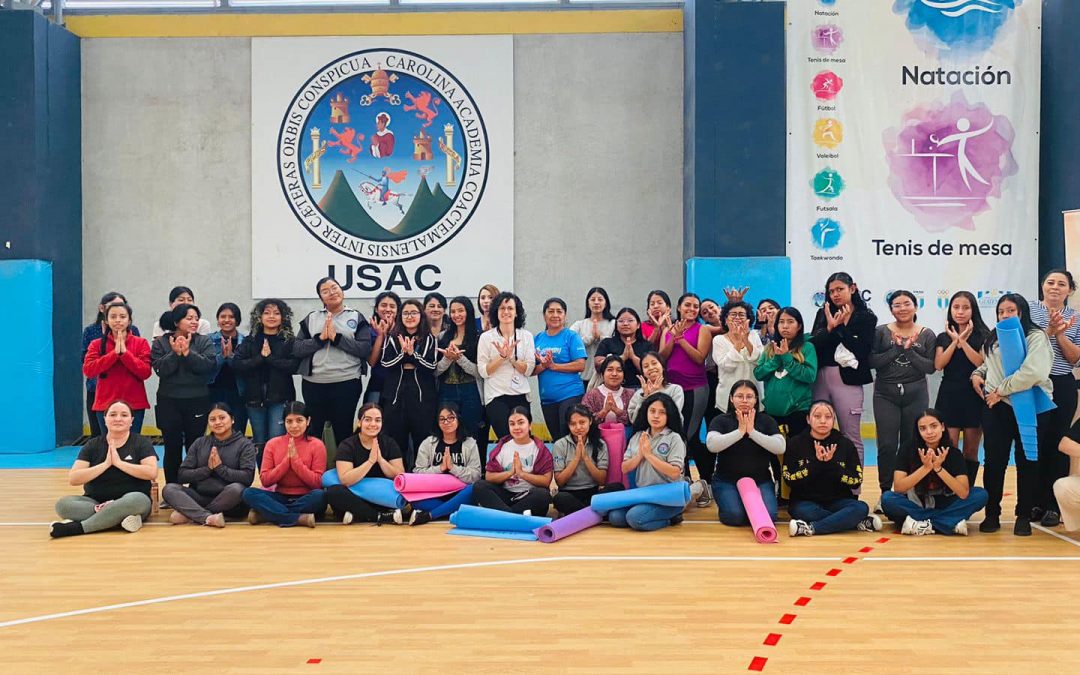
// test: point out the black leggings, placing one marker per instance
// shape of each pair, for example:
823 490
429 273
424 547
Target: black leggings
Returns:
342 499
498 413
999 433
333 402
91 416
569 501
1055 465
181 420
492 496
791 425
555 416
409 412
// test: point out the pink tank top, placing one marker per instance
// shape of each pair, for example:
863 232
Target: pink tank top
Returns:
681 369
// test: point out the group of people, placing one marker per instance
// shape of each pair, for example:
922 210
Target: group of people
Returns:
781 405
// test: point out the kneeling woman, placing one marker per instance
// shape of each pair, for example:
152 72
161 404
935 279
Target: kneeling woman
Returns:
822 467
217 468
519 471
115 469
449 450
657 454
293 465
581 462
930 485
744 441
369 453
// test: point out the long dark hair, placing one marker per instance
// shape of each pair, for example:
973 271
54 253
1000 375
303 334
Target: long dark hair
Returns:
592 436
856 298
743 384
945 442
1023 313
765 301
660 294
436 430
979 330
177 314
472 336
608 360
641 422
423 330
105 333
286 329
903 294
297 408
663 366
1063 272
177 291
795 344
107 300
607 303
638 335
232 307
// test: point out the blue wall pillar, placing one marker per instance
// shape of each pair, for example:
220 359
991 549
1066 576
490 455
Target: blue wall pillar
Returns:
41 140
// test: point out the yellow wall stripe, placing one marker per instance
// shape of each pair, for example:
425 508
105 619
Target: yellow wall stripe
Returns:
375 23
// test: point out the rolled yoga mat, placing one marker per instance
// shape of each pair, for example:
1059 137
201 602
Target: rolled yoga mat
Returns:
614 435
1027 404
476 521
375 490
568 525
668 494
417 487
760 521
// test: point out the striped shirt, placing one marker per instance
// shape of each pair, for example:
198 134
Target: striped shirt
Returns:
1041 316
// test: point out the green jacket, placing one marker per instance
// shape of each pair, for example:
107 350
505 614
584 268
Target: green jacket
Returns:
791 392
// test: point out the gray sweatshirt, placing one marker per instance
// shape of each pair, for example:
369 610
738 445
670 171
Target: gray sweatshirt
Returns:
1034 371
183 376
668 446
466 467
237 464
672 390
344 358
562 452
902 366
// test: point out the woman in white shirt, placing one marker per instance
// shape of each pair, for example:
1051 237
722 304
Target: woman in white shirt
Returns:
506 357
736 352
599 323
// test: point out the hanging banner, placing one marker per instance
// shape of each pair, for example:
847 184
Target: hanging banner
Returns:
387 163
913 149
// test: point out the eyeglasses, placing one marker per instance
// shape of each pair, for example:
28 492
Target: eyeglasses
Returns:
447 419
410 314
626 322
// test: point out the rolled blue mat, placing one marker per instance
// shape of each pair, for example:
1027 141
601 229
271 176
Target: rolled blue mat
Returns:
1027 404
494 534
478 518
668 494
375 490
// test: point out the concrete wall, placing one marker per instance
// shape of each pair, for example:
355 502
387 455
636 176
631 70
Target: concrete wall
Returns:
166 170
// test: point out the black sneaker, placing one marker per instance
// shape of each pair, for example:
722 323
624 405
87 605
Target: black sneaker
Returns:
1037 512
1051 519
676 520
419 517
1022 528
403 515
990 524
385 518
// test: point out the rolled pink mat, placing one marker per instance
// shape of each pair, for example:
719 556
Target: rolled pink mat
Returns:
760 521
568 525
614 435
419 486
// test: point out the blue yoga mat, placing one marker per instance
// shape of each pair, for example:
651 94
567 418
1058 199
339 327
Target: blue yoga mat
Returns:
476 521
668 494
1027 404
375 490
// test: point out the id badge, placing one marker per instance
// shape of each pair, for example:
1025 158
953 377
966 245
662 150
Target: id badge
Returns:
516 380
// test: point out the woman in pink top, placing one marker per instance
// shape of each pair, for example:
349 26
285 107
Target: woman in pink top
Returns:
684 346
293 465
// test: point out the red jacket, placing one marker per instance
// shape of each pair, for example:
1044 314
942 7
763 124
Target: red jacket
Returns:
296 476
120 376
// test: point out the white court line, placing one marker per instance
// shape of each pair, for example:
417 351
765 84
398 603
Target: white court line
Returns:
1060 536
410 570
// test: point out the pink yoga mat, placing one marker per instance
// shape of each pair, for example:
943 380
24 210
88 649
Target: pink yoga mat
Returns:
571 524
614 435
764 530
419 486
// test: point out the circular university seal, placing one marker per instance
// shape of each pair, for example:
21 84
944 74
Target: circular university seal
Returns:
383 155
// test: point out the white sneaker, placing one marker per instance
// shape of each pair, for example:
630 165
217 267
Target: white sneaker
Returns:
961 528
527 512
877 507
869 524
347 518
918 528
700 493
132 523
800 528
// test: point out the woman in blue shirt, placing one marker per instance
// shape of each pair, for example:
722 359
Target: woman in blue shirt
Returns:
560 360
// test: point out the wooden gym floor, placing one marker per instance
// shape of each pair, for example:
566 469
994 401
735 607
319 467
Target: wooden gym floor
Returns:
696 598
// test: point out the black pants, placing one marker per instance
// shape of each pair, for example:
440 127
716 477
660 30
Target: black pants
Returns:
999 434
333 402
569 501
181 420
343 499
791 426
1055 465
95 428
555 416
492 496
498 413
409 413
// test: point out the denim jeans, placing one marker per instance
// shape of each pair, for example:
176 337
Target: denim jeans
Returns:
644 517
897 507
266 422
282 509
136 421
829 517
730 505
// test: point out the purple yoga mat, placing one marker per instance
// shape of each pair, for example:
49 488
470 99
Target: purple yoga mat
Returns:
571 524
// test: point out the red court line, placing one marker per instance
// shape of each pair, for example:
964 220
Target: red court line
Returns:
802 602
758 663
833 572
866 549
882 540
818 585
787 619
850 561
772 638
314 660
